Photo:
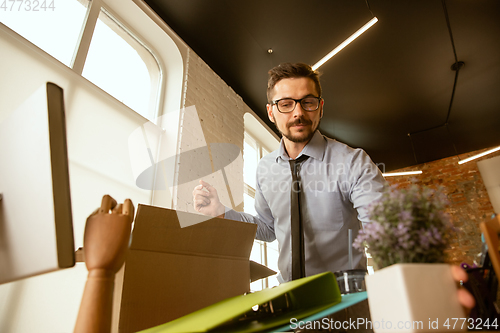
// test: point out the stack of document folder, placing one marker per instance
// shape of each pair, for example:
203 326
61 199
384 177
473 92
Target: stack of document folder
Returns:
309 298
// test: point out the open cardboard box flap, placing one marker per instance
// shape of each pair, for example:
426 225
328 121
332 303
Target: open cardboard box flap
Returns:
258 271
158 229
172 271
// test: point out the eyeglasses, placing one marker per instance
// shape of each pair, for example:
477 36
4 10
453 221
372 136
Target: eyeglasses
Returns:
286 105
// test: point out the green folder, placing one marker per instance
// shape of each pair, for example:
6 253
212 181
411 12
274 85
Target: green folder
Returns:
347 301
263 310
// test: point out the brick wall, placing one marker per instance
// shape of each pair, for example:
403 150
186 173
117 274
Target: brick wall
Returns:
469 201
220 113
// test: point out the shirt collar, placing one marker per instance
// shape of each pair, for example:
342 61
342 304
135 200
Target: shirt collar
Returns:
315 148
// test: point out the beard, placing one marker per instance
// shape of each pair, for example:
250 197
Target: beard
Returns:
301 137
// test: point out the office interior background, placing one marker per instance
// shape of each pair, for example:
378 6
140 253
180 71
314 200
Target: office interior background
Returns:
399 91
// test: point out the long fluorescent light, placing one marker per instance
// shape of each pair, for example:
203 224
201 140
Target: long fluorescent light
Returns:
345 43
405 173
479 155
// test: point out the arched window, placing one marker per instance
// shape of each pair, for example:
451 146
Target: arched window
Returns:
258 143
85 35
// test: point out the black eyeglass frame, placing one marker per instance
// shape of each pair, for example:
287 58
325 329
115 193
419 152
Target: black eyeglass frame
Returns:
296 101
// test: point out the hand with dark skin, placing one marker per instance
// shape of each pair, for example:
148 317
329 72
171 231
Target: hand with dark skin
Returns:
106 240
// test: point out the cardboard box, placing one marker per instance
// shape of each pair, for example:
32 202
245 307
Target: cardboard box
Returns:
172 271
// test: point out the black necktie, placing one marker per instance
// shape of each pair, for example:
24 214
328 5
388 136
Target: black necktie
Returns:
298 256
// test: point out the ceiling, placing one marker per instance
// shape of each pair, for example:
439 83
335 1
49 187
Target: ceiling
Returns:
391 92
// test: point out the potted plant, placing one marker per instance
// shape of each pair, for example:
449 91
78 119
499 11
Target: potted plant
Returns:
413 289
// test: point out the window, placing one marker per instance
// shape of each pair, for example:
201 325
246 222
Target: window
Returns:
259 141
120 64
116 60
262 252
52 26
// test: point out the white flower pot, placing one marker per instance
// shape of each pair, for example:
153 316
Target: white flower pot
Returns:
415 298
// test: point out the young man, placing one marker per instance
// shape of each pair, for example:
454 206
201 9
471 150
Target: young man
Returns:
337 182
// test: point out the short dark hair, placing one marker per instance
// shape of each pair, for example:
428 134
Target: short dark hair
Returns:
288 70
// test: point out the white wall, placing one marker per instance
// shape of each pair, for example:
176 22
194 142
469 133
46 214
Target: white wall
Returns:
98 130
220 114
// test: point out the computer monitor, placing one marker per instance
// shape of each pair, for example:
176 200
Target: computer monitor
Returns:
36 229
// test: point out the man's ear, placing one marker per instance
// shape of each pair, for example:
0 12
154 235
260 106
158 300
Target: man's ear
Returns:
322 103
270 112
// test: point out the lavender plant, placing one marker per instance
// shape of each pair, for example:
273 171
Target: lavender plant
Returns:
408 226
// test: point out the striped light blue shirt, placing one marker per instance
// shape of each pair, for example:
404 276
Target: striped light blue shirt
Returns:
338 183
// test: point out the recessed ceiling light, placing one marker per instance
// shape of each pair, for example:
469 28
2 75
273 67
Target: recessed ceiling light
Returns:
345 43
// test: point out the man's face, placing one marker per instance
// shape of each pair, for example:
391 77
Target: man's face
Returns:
299 125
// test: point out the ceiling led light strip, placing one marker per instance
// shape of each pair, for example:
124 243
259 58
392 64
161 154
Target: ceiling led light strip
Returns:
405 173
345 43
479 155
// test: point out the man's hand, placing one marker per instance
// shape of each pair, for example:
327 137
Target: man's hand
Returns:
464 296
206 200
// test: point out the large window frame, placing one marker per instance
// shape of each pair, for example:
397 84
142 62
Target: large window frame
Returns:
98 10
260 139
